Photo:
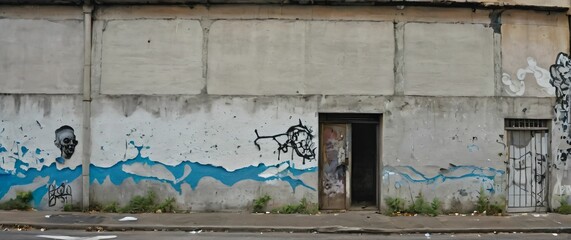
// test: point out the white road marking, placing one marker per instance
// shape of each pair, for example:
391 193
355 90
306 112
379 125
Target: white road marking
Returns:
77 238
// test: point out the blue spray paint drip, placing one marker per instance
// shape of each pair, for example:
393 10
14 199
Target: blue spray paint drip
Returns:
3 149
24 150
198 171
22 175
467 171
38 151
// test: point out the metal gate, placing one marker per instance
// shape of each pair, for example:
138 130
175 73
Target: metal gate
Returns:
528 143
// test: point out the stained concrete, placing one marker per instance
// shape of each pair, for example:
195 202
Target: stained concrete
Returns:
524 38
279 57
448 60
293 63
41 56
152 57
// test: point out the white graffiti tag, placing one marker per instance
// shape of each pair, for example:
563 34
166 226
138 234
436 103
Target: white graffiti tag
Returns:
541 75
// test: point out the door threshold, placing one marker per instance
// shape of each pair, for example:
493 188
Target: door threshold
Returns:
363 208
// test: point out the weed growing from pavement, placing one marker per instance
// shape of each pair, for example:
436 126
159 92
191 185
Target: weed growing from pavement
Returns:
564 207
261 203
456 206
486 207
68 207
396 206
304 207
21 202
111 207
138 204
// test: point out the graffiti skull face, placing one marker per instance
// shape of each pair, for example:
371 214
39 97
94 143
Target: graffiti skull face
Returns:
65 141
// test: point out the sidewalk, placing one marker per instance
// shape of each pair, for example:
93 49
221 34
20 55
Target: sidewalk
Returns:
348 222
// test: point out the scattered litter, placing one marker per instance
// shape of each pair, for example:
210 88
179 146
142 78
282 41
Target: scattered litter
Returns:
6 229
335 214
267 212
524 214
456 214
479 235
536 215
42 229
48 216
555 234
195 232
427 235
128 219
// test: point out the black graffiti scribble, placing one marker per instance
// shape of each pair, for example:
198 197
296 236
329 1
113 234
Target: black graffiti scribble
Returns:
298 137
561 80
61 192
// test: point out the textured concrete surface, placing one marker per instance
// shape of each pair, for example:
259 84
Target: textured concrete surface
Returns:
349 222
550 3
448 60
41 56
315 57
524 38
152 57
196 142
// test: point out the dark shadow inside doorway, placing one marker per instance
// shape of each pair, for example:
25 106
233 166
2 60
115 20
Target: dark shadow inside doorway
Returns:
364 165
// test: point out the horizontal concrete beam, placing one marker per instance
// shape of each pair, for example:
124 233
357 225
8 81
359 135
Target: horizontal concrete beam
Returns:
552 4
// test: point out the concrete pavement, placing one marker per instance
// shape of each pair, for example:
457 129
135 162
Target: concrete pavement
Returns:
347 222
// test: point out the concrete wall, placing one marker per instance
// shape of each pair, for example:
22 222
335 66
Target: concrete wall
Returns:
196 103
41 68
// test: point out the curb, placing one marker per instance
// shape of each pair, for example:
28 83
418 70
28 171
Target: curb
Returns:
323 229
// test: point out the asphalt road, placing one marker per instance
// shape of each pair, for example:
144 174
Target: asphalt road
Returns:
82 235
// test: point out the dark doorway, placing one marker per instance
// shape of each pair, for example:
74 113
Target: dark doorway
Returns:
364 164
349 160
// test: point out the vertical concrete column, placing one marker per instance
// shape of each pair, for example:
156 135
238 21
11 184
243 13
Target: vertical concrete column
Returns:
399 58
205 24
496 25
87 15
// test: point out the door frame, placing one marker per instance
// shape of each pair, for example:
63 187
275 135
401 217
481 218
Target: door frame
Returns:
516 125
348 119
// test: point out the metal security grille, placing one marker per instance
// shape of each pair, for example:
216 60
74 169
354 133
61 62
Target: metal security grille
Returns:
526 124
528 163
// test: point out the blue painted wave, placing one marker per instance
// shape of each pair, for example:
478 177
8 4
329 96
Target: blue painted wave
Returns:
23 175
198 171
453 173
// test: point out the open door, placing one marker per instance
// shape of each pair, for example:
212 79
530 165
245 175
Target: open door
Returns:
334 159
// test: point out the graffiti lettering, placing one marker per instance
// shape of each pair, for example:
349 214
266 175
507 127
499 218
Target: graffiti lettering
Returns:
298 138
61 192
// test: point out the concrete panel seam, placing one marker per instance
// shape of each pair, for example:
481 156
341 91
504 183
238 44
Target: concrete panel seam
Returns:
205 24
399 58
